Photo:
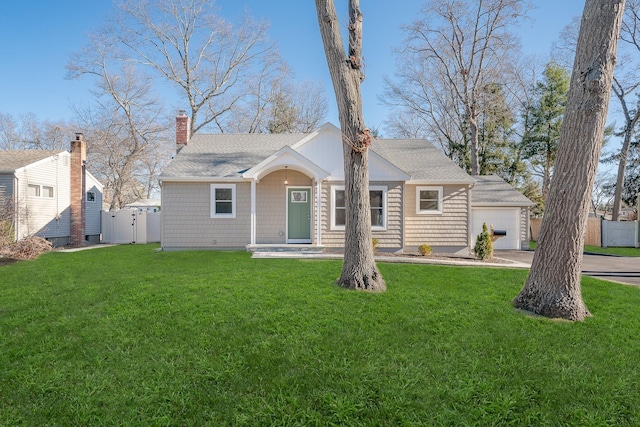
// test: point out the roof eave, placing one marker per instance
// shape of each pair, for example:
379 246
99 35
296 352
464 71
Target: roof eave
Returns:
200 179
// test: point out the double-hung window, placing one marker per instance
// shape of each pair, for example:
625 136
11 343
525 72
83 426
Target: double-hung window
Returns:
223 200
428 200
377 200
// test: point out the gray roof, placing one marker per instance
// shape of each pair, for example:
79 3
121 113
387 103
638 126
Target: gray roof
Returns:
225 155
229 155
11 160
421 160
493 190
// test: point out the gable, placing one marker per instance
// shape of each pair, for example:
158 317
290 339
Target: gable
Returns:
324 147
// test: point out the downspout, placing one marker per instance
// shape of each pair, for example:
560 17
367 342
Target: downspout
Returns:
469 218
16 211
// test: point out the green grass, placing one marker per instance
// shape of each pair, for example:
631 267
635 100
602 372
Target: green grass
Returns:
129 336
628 252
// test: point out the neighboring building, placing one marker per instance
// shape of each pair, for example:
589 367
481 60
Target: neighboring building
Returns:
52 195
247 190
149 205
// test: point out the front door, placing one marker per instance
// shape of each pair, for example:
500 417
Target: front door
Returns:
298 215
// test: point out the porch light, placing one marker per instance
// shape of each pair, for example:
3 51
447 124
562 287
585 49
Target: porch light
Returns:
286 176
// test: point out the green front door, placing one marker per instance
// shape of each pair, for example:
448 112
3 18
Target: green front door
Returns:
299 215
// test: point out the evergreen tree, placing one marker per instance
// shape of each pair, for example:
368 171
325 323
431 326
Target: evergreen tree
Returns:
546 114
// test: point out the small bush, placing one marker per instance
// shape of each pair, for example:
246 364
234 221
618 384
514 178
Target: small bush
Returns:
484 246
374 242
6 233
424 249
27 248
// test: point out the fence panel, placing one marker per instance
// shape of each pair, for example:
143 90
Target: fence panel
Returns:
130 226
620 234
592 235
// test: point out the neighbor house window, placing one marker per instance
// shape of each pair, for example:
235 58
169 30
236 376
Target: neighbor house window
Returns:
223 200
429 200
377 199
47 191
35 190
91 197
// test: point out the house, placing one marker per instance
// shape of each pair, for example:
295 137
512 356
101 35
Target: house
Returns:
51 194
230 191
149 205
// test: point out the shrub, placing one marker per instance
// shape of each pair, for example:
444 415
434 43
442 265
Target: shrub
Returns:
484 246
424 249
27 248
374 242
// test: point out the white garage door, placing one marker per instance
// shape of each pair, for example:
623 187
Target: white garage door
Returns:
502 219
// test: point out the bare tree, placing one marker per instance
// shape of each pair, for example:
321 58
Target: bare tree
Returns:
626 85
552 288
27 132
210 60
452 54
359 270
127 129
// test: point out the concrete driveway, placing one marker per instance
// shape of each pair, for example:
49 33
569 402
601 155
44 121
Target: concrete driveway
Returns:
614 268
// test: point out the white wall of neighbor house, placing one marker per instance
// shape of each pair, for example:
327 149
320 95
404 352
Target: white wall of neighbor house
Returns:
38 213
444 232
187 221
271 205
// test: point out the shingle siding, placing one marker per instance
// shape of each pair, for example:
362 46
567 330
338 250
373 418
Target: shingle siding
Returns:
449 229
271 205
187 222
389 239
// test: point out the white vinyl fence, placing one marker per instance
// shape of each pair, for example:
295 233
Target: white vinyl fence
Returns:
620 234
130 226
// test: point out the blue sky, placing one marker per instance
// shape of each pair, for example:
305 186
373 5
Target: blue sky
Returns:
38 36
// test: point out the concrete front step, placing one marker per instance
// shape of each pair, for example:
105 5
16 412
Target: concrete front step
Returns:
301 248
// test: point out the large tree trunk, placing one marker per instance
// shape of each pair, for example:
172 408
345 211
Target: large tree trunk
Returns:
359 270
552 288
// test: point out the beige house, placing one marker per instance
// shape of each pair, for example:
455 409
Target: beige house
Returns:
230 191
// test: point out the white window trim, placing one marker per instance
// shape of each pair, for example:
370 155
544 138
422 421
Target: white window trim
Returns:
213 201
41 191
385 207
432 211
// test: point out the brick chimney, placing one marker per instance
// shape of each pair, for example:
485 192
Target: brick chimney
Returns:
183 130
77 209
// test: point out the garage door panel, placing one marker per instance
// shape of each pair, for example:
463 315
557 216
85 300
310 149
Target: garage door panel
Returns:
502 219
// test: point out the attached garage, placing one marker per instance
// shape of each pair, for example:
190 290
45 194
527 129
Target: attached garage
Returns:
495 202
507 219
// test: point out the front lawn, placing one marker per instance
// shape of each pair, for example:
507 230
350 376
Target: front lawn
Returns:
129 336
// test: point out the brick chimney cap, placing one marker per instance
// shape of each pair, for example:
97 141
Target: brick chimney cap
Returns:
182 112
79 136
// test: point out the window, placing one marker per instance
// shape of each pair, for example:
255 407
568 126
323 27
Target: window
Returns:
47 191
429 200
35 190
223 200
377 199
91 197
